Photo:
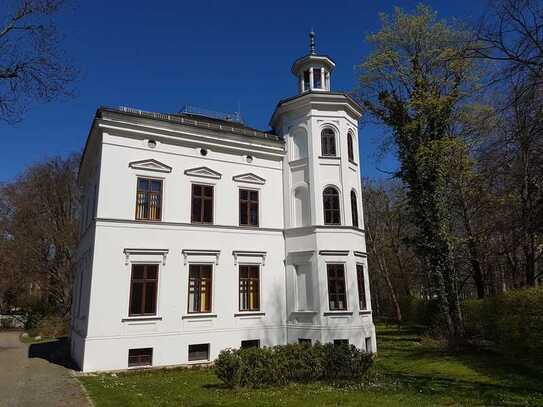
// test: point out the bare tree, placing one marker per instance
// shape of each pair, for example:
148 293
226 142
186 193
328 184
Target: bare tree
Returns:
512 34
32 67
40 232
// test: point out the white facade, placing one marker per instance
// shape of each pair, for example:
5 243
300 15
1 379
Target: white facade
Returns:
291 246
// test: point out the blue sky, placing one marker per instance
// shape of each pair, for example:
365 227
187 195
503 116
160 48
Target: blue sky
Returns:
218 55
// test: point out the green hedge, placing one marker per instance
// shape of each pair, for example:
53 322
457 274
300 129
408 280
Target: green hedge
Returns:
513 321
280 365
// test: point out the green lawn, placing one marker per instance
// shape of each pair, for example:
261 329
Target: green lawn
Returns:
409 371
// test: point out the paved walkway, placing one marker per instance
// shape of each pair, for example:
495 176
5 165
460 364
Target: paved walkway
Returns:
28 378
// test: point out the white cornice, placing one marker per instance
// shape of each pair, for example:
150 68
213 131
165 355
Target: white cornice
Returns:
195 138
318 100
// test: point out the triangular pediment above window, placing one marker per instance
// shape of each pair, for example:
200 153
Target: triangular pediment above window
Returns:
203 172
250 178
150 165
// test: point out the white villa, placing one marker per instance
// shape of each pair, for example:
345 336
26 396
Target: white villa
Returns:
199 233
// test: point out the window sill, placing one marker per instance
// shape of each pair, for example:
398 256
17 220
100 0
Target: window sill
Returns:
329 157
328 313
365 312
353 163
199 362
196 316
141 319
307 312
249 313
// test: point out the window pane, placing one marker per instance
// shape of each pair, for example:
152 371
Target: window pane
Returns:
196 189
254 215
317 78
136 298
143 184
254 196
243 212
208 191
152 272
156 186
196 210
150 298
208 211
243 194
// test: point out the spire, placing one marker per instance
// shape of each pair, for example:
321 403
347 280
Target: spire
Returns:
312 42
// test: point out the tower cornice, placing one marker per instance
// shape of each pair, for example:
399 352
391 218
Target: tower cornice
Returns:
317 99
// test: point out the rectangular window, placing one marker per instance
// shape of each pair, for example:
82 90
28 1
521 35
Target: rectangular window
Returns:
361 287
199 352
202 204
337 295
253 343
248 207
199 288
140 357
149 199
249 288
341 342
317 82
143 289
304 341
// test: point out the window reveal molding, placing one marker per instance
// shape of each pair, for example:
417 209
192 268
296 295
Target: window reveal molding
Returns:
149 193
337 287
362 303
143 297
249 287
200 289
202 203
249 207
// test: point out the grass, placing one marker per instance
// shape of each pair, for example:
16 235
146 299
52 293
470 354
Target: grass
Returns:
30 339
409 370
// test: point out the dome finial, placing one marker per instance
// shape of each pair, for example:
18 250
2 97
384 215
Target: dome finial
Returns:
312 42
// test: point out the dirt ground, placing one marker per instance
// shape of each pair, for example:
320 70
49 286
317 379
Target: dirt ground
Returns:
36 374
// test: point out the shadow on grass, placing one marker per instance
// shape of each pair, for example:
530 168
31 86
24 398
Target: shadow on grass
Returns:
56 351
413 361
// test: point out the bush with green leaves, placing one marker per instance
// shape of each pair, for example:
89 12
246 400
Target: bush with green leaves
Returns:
283 364
513 321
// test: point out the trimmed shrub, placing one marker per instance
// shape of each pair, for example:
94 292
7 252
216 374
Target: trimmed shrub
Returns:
513 321
282 364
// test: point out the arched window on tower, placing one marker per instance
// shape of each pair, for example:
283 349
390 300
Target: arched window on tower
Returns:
328 143
330 199
350 146
354 209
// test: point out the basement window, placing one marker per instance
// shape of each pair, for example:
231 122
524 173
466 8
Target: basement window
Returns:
199 352
140 357
253 343
338 342
304 341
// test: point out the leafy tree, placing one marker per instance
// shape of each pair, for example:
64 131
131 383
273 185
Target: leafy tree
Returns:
416 82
